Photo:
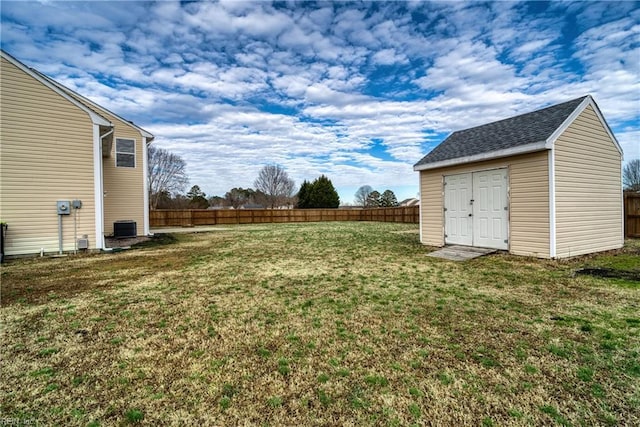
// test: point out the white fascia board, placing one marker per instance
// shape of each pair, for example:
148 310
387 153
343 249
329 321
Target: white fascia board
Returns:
606 126
96 119
567 122
490 155
588 101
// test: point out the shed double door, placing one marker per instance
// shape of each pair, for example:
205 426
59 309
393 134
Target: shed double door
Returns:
475 209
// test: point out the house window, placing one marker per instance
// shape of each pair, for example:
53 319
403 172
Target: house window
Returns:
125 153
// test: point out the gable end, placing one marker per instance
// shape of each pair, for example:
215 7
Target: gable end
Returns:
95 117
588 101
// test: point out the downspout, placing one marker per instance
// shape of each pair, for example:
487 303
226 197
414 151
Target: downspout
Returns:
145 180
98 188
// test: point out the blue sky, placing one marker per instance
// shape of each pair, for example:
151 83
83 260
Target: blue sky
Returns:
356 91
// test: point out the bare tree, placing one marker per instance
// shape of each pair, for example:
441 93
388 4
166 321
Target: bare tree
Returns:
167 174
373 200
631 175
239 196
362 195
276 185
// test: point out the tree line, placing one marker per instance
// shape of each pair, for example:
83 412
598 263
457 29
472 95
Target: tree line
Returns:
167 178
367 197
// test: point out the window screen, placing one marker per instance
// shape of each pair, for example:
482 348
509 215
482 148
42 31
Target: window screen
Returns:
125 153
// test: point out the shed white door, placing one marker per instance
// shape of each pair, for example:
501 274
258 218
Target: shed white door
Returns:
490 217
476 209
457 209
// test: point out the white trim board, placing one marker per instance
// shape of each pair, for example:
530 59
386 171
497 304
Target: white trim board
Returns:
98 190
588 101
490 155
145 183
552 203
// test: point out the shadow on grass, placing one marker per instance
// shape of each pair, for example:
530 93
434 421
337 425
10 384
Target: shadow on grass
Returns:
610 273
158 239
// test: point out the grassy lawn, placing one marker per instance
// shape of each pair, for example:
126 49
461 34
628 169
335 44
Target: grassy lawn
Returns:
318 324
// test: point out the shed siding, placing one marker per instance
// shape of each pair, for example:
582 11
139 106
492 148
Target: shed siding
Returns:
528 202
46 146
588 188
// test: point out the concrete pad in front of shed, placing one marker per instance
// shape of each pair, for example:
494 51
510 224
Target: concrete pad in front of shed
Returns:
460 253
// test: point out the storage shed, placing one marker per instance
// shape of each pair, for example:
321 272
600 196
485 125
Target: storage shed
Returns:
544 184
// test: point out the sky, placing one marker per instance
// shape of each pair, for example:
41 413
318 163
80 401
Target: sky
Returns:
358 92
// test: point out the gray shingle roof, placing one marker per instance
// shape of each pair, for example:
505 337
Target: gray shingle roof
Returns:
529 128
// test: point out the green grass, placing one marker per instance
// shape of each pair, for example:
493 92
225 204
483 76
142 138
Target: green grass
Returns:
318 324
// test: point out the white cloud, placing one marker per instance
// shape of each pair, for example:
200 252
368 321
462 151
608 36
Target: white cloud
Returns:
388 57
629 139
233 85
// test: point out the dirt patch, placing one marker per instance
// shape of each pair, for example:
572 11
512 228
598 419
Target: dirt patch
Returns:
36 280
113 242
416 231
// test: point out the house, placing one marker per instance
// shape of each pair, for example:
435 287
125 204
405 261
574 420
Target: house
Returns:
409 202
71 170
544 184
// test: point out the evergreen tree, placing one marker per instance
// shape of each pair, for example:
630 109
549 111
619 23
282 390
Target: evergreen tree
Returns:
323 194
304 195
318 194
388 199
197 199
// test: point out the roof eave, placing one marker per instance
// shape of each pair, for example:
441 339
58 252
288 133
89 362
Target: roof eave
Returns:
490 155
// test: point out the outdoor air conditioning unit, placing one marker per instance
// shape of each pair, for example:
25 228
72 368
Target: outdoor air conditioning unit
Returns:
83 243
124 229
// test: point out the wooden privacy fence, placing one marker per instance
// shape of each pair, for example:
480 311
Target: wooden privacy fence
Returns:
632 214
193 217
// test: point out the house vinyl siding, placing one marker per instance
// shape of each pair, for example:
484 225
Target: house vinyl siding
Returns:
588 188
123 186
46 146
528 201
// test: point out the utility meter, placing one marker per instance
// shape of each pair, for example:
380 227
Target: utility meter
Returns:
64 207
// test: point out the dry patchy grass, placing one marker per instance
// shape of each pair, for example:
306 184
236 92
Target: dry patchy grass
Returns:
317 324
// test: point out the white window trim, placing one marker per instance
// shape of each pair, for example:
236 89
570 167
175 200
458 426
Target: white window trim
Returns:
135 154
